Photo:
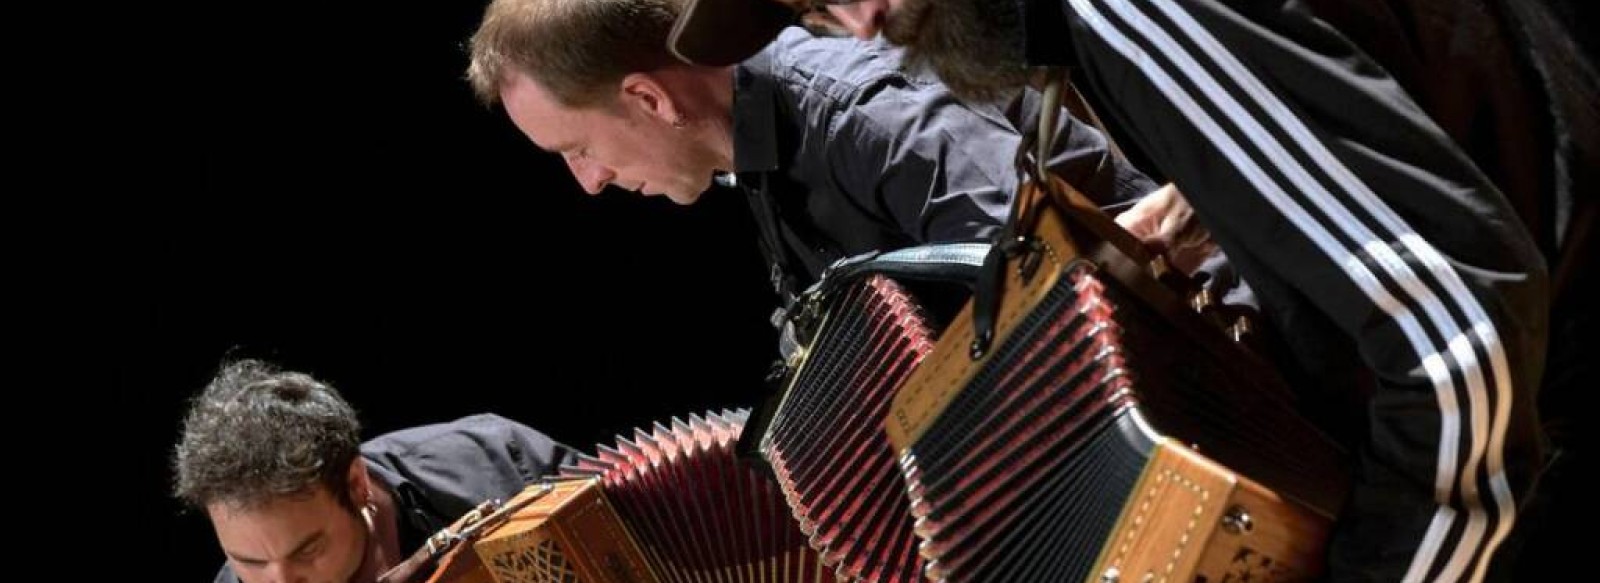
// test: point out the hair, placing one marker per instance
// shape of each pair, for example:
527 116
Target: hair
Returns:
256 434
578 50
974 46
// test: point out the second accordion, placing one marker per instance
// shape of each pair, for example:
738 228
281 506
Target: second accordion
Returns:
1101 430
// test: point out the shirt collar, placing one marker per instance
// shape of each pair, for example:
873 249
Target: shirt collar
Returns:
755 125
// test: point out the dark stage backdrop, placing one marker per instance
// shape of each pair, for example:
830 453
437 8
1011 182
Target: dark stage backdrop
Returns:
365 220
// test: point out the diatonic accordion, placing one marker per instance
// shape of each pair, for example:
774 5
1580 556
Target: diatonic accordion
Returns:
671 504
1109 433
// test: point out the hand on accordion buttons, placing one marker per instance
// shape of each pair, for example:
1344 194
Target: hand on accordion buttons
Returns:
1166 224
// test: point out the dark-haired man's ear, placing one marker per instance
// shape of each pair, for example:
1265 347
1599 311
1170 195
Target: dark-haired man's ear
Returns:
358 483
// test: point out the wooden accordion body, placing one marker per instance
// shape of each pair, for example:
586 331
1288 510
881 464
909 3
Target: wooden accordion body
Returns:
1109 432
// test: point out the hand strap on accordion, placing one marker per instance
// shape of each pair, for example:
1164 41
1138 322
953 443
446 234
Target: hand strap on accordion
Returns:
959 263
954 262
1013 237
1038 187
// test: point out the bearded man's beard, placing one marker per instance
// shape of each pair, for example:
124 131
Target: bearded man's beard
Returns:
974 46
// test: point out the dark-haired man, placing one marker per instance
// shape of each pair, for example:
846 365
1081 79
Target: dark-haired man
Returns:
274 459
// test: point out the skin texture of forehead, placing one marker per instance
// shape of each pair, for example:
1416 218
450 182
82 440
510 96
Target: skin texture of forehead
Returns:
255 531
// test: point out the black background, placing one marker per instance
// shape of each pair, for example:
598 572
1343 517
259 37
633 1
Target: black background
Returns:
333 198
313 183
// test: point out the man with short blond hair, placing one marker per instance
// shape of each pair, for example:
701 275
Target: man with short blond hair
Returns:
841 149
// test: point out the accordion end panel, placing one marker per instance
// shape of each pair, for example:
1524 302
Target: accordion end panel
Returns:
1190 519
571 534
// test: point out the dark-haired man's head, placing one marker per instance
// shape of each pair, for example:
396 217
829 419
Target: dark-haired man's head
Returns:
272 458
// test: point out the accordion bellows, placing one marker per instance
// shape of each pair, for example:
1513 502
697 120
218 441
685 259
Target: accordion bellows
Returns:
826 441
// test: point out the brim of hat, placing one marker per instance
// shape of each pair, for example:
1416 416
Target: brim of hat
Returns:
718 33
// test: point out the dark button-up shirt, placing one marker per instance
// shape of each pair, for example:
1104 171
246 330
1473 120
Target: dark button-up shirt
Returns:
860 155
